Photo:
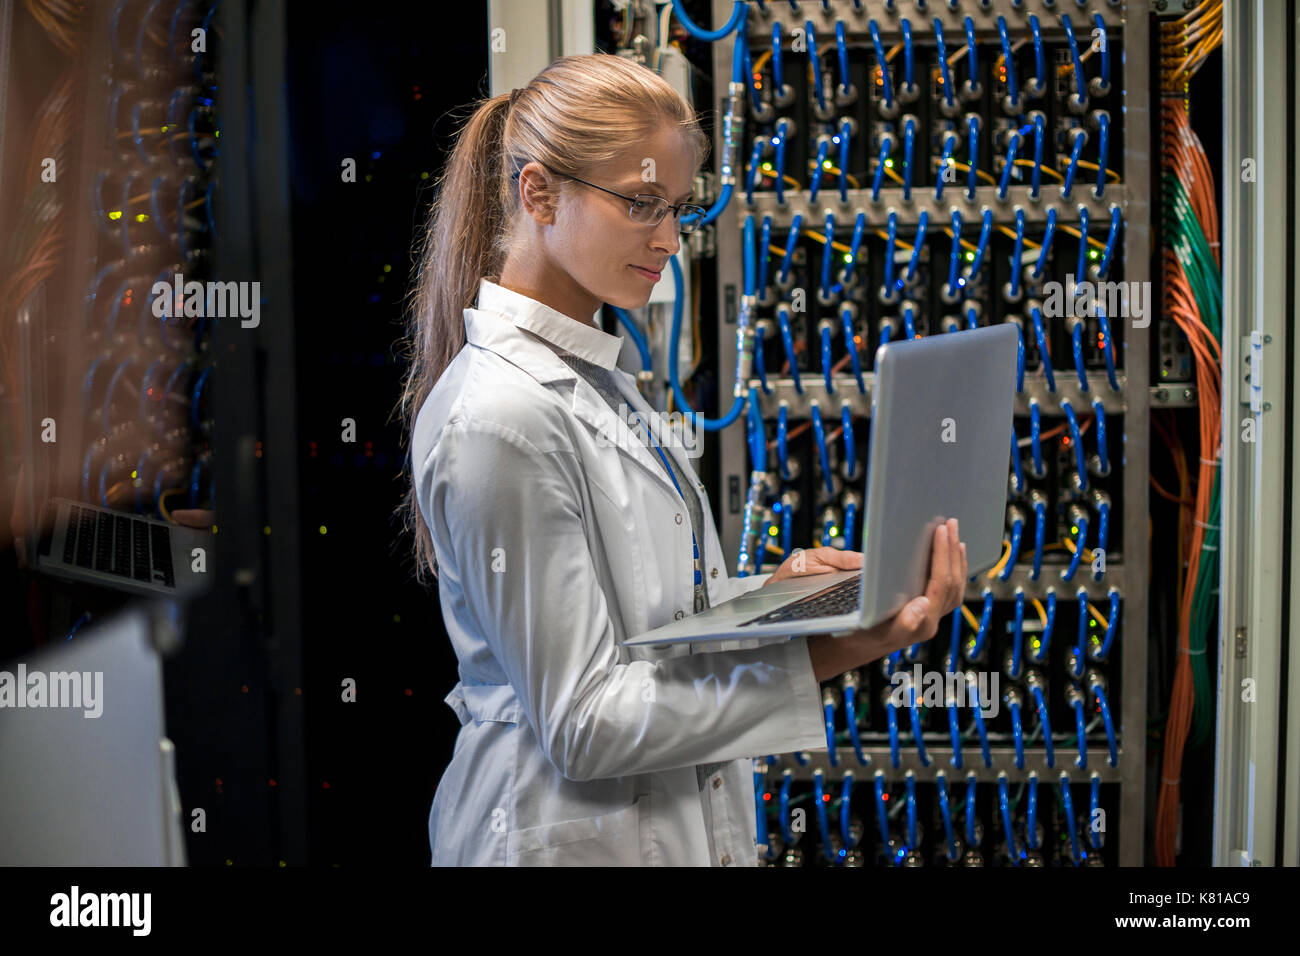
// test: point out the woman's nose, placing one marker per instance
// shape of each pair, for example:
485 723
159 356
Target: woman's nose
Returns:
667 234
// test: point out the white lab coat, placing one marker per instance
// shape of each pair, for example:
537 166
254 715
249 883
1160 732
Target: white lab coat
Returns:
553 545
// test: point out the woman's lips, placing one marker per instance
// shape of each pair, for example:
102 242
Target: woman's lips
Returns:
652 276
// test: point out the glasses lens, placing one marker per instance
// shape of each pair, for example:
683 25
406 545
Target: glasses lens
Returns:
648 209
689 225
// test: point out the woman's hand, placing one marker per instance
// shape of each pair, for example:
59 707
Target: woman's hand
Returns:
194 517
815 561
917 621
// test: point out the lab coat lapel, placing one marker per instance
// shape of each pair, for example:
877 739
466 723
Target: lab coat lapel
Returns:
611 429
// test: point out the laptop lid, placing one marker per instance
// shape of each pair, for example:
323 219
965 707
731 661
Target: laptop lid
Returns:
941 425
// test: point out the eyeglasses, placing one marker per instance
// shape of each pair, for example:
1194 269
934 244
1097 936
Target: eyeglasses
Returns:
647 209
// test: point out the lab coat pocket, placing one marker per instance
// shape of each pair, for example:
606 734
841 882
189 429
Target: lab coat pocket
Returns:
612 839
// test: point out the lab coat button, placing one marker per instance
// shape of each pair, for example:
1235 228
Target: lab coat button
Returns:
726 859
678 517
717 782
713 572
679 615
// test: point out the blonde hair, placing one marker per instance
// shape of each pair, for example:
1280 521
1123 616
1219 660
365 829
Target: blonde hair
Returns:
579 112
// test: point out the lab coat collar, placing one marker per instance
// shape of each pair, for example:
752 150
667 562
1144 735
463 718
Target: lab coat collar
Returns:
495 325
576 336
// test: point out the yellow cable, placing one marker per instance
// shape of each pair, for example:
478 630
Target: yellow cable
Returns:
162 502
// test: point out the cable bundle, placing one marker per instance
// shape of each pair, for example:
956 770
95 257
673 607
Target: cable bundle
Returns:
1192 298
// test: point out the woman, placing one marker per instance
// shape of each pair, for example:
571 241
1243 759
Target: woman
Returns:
556 534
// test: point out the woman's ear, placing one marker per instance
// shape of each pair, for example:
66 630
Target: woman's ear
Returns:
538 193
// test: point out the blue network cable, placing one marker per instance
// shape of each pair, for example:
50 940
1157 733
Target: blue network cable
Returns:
1035 443
955 255
986 226
1094 804
1081 263
1076 150
818 86
846 133
1109 254
1103 84
1077 344
1039 84
1017 733
1018 641
1081 538
911 810
738 13
782 416
888 85
778 143
970 810
826 359
778 68
851 717
889 291
909 87
922 221
882 817
760 815
818 165
842 48
909 141
850 456
947 815
1046 637
787 780
1112 626
1017 267
1004 803
1080 728
892 715
985 618
823 825
954 734
1081 635
637 337
791 241
828 254
828 712
1077 441
909 322
979 725
886 145
757 434
1069 818
787 339
1049 230
859 227
943 62
915 714
885 326
1044 722
708 424
949 144
755 157
822 452
1080 85
1103 532
1031 812
973 84
973 143
787 531
1103 147
1040 133
1041 338
1012 92
1010 165
764 257
846 796
1104 705
846 316
1020 359
850 525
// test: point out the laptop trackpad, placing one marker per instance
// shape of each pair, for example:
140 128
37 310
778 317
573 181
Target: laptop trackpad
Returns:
783 592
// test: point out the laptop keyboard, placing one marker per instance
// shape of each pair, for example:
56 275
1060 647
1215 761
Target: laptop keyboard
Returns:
118 544
842 598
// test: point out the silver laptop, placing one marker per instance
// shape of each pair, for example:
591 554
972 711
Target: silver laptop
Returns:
117 549
941 425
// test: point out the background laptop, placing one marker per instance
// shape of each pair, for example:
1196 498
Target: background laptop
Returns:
958 386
